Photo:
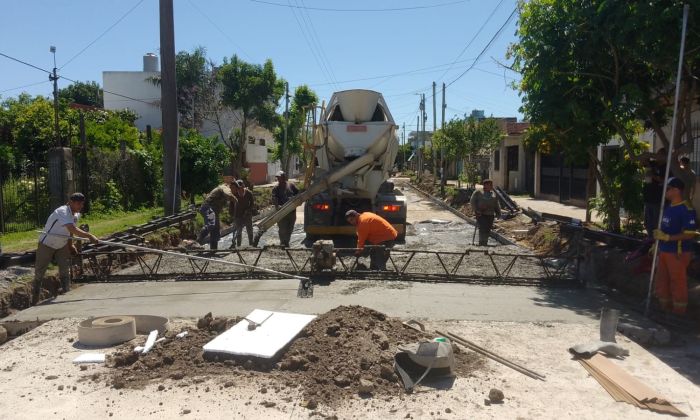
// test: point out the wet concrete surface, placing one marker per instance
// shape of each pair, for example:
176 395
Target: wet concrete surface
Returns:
432 229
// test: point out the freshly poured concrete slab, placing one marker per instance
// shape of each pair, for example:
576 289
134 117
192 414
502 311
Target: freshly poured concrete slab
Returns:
272 332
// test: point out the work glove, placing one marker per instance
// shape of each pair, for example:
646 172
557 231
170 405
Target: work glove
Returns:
660 235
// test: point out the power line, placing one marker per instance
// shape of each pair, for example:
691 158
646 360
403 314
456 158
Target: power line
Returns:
25 63
103 33
218 28
314 36
436 67
71 80
488 45
478 32
319 62
25 86
392 9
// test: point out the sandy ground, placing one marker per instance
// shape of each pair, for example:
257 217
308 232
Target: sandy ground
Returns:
39 381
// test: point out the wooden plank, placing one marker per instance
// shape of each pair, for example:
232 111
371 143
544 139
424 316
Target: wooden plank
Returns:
639 391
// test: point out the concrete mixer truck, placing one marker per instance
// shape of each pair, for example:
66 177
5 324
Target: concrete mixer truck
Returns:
355 146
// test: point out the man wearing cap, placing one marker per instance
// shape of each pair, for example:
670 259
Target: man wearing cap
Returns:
281 193
241 212
55 243
373 230
675 249
486 207
215 202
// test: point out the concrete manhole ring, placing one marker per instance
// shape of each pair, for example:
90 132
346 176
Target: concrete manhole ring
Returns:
114 329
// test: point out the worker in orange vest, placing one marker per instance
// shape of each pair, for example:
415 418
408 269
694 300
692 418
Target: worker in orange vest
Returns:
373 230
678 230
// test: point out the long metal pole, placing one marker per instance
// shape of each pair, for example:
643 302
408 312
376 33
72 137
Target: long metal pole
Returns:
432 144
418 154
686 10
423 117
403 140
286 126
54 79
178 254
168 89
442 149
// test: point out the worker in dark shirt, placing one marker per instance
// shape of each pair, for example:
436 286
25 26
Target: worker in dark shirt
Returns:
242 213
678 230
281 193
215 202
486 208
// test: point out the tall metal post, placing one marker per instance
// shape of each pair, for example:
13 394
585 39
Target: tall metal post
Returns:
168 90
443 168
669 156
432 144
403 138
424 117
54 78
417 152
283 162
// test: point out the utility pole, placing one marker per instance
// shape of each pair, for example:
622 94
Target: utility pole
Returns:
432 143
417 151
60 178
286 125
424 117
168 89
403 141
442 149
54 78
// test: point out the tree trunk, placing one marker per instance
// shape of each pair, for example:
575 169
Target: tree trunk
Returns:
613 212
237 161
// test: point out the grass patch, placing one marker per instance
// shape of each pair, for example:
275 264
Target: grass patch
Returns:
100 225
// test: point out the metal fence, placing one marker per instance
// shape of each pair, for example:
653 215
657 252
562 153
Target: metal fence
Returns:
24 197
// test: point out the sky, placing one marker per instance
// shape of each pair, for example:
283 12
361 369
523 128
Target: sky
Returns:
397 47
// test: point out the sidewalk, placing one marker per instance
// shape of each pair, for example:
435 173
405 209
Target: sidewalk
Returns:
548 206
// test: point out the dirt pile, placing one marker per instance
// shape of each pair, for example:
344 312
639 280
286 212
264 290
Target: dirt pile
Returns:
350 350
344 352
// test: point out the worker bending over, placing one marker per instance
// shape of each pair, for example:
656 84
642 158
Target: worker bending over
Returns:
486 207
675 249
215 202
55 242
242 214
281 193
373 230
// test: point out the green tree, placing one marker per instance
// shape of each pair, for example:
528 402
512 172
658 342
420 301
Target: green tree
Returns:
192 71
30 126
108 129
253 90
83 93
467 138
304 98
597 69
202 160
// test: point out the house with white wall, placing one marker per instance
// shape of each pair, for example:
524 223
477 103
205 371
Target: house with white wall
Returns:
134 90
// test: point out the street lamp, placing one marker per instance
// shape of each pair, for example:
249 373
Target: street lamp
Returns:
54 78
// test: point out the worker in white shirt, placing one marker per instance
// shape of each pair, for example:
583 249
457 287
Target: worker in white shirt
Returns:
55 243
